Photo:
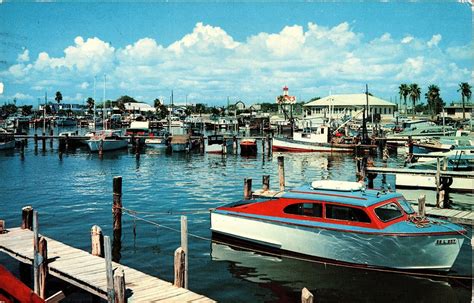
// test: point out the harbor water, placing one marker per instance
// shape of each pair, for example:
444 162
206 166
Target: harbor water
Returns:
75 193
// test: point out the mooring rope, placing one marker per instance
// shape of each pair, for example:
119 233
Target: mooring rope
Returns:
394 271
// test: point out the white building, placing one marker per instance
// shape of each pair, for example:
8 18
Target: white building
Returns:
137 107
339 106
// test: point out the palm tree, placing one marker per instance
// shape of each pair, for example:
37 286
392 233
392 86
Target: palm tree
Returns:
90 105
404 91
465 90
58 98
432 97
415 93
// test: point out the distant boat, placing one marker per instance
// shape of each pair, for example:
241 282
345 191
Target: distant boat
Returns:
158 140
343 221
460 162
462 141
66 121
424 132
109 139
215 144
319 140
7 139
248 147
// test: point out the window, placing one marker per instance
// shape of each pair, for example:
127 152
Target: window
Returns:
346 213
406 206
388 212
305 209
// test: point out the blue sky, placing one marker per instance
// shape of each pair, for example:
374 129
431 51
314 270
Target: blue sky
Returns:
247 51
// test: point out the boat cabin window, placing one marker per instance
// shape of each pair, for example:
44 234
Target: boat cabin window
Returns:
388 212
346 213
406 206
215 139
305 209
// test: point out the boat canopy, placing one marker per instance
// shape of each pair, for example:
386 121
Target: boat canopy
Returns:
337 185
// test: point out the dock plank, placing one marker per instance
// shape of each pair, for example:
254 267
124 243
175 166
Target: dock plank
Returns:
86 271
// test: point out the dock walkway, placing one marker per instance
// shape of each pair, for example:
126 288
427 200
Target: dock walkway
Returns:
88 272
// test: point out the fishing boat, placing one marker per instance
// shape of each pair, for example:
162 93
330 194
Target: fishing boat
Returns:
7 139
217 144
319 140
343 221
109 139
248 147
158 140
459 162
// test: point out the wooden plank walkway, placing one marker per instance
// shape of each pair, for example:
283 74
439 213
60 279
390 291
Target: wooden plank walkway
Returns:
87 272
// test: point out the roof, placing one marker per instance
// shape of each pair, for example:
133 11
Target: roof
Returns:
139 106
349 100
356 198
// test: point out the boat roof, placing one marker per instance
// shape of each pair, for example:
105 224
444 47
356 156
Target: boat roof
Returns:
356 197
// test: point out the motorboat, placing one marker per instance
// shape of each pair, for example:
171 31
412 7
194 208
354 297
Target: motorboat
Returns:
66 121
248 147
106 140
423 132
345 222
217 144
7 139
158 140
444 144
318 140
460 162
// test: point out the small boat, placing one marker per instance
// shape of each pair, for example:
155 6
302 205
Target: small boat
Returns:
158 140
217 143
425 132
248 147
458 162
343 221
444 144
308 140
7 139
66 121
109 139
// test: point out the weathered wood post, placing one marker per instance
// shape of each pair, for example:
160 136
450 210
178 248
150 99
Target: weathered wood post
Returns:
137 148
201 144
269 145
2 226
179 267
247 188
117 217
306 296
36 140
101 148
265 183
43 141
36 278
437 182
421 205
67 142
22 149
27 217
234 145
97 241
281 172
119 285
108 270
51 134
224 147
184 246
263 146
43 266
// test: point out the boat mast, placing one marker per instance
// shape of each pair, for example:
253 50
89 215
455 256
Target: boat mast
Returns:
104 125
94 102
44 111
364 125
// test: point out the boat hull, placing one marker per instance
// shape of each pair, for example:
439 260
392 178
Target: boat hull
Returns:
247 149
401 252
428 182
218 148
7 145
290 145
94 145
156 143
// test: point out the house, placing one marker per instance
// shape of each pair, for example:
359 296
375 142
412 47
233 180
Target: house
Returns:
348 105
455 110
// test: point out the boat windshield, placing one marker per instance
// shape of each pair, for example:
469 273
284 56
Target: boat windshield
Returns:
406 206
388 212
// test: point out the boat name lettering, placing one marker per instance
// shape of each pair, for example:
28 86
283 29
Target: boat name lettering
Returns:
445 241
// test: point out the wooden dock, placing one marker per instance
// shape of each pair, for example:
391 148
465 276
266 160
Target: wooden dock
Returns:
88 272
452 215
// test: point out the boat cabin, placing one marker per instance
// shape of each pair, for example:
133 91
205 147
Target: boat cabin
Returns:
215 139
320 135
334 205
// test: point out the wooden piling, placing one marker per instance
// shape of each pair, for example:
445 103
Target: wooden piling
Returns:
117 218
263 146
234 144
36 140
43 142
179 267
36 277
51 133
247 188
224 147
266 183
108 270
27 217
22 149
269 145
101 148
438 182
2 226
306 296
421 205
281 172
119 285
43 266
184 246
97 241
67 142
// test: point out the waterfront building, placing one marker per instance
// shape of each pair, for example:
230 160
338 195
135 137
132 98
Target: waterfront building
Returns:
455 110
138 107
348 105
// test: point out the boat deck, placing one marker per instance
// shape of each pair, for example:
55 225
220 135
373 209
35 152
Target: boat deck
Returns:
88 272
